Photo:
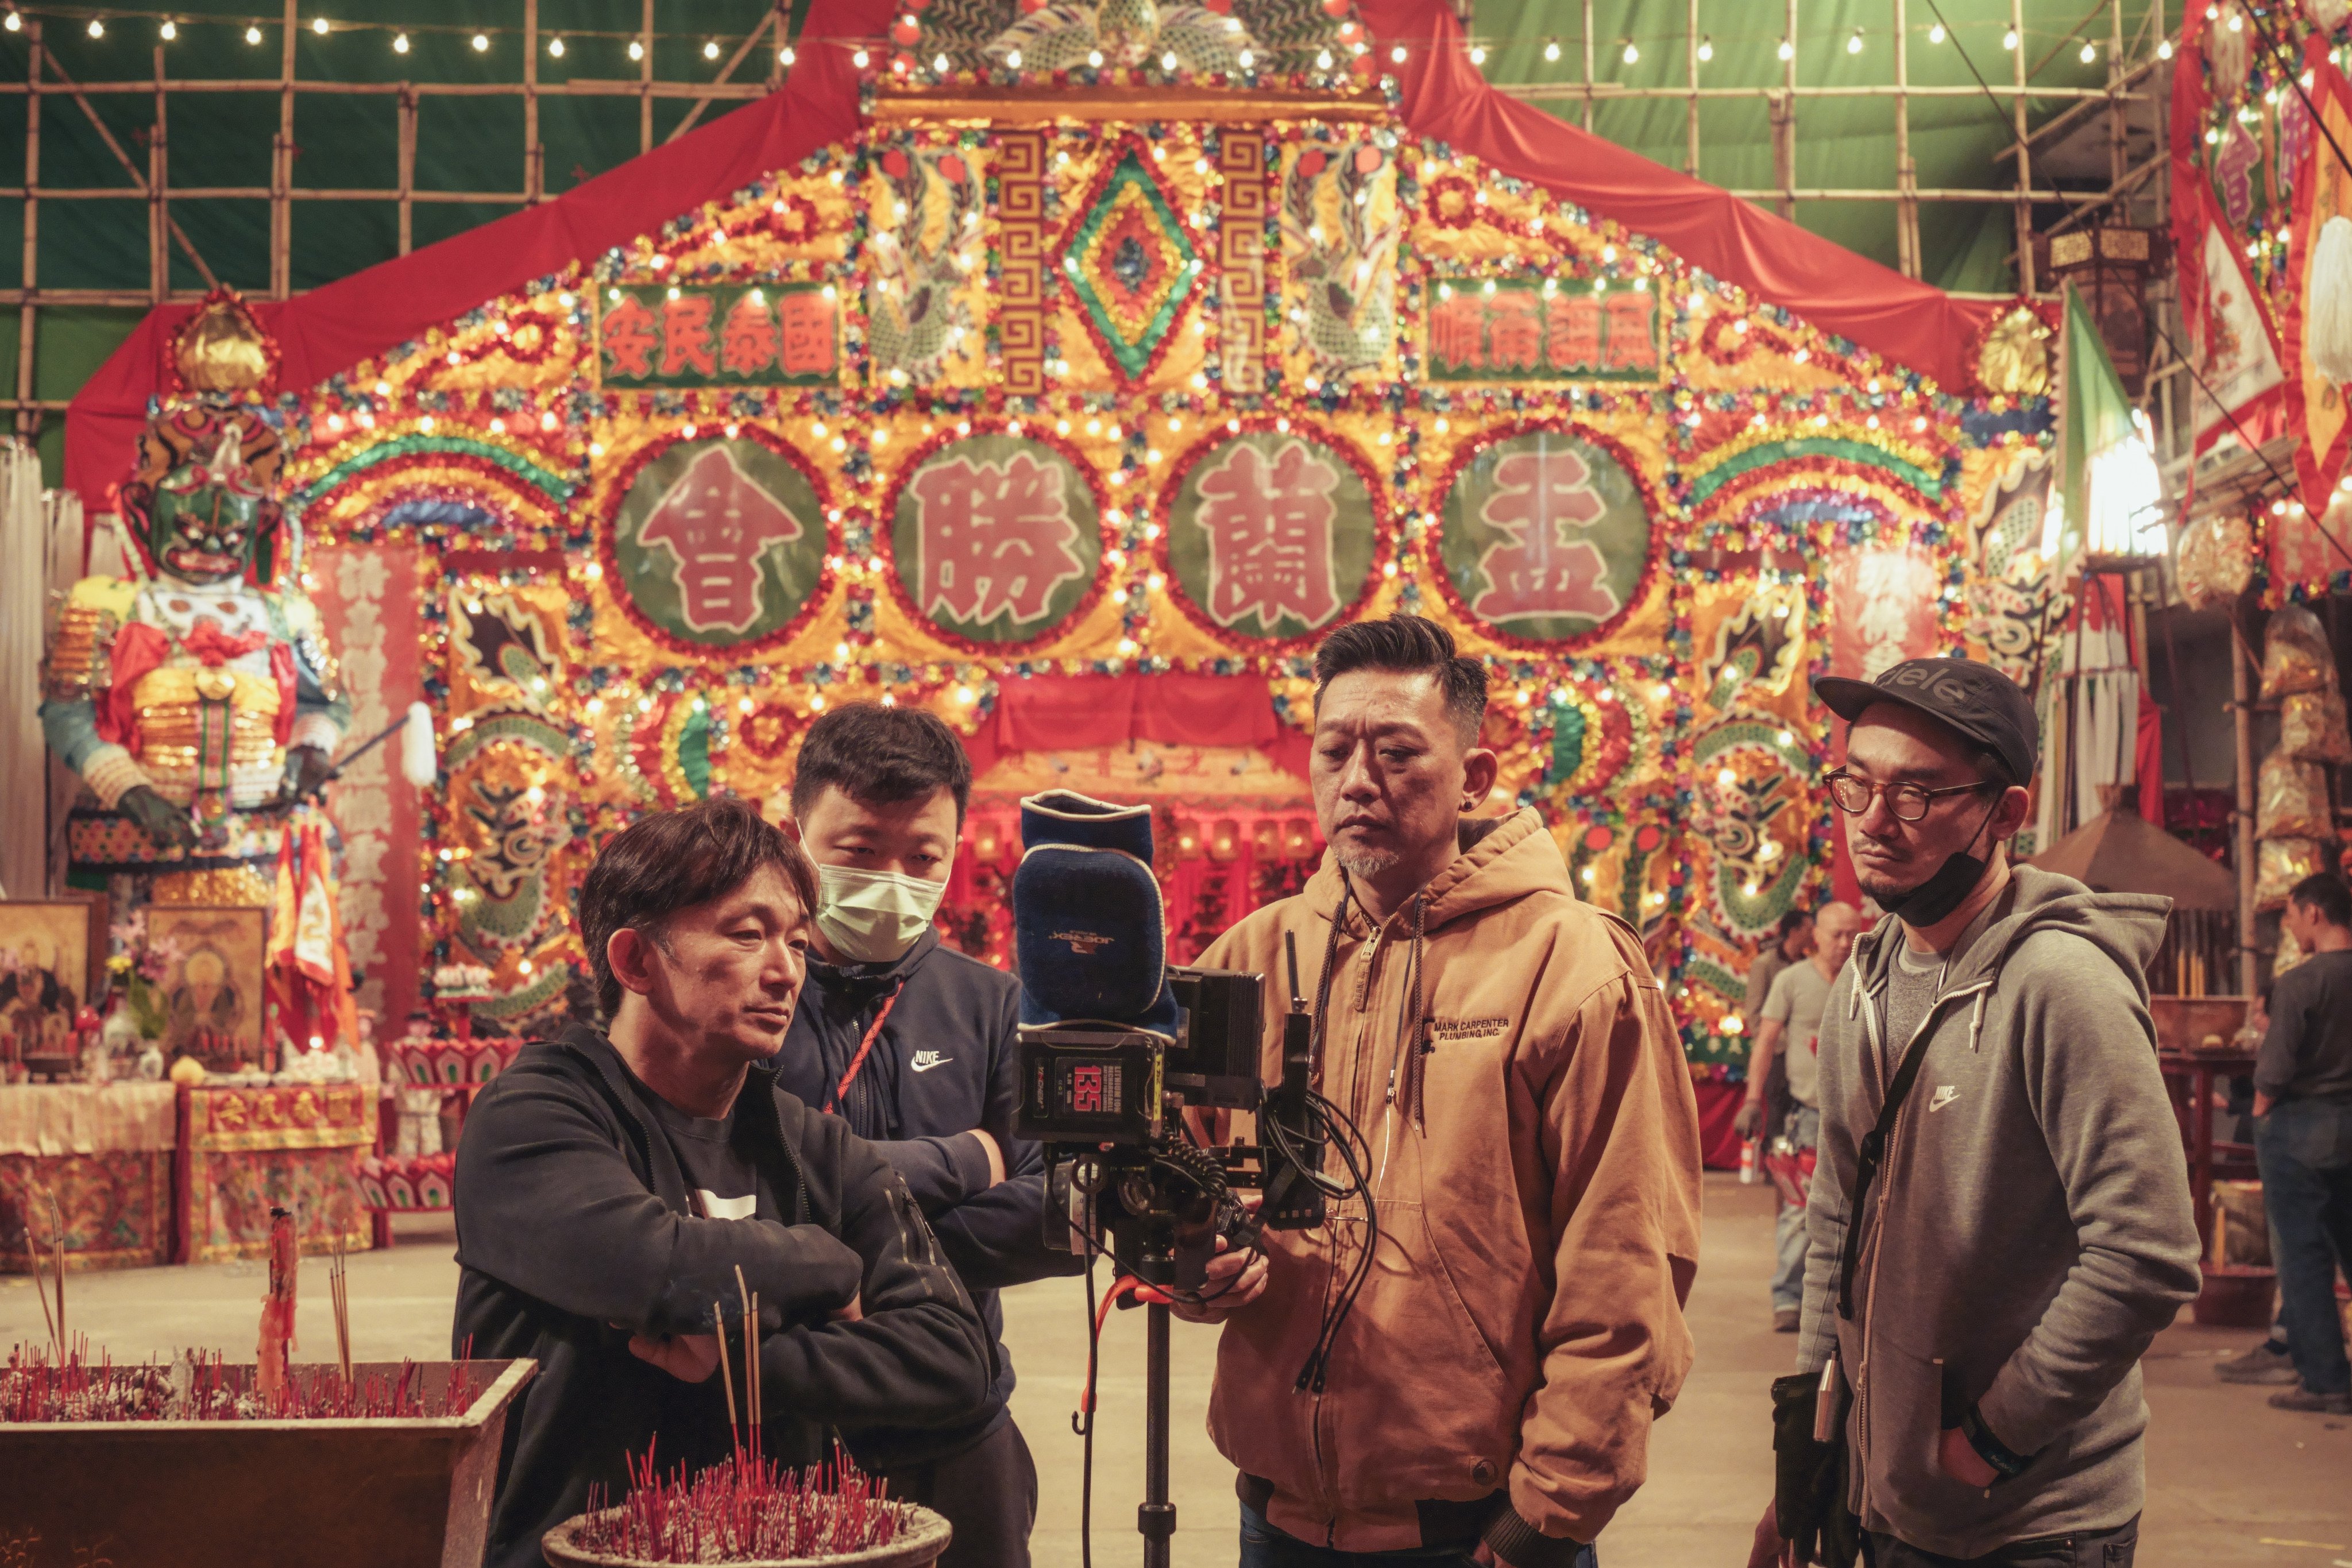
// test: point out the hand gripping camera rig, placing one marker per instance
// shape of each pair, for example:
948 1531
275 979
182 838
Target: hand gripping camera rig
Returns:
1115 1046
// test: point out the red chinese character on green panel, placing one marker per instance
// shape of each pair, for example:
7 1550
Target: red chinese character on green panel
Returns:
808 333
628 339
685 336
747 339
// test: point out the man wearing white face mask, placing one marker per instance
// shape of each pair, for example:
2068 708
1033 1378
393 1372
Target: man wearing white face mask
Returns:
912 1044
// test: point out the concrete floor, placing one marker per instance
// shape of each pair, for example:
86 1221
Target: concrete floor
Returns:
2230 1481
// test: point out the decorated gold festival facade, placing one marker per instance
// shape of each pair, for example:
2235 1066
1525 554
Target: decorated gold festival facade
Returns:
1124 379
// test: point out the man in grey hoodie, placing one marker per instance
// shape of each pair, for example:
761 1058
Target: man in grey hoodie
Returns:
2024 1228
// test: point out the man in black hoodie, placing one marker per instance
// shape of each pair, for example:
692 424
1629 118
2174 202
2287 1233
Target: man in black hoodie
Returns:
609 1189
912 1044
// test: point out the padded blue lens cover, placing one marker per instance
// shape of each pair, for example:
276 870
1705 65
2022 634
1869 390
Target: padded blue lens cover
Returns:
1086 922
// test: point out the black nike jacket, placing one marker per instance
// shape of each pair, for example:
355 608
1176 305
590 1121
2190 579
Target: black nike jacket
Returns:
942 1064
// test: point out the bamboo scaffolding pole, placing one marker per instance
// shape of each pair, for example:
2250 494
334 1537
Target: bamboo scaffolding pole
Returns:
645 85
534 169
1534 92
1907 172
1690 115
407 170
1784 125
1588 65
158 252
580 87
2025 154
281 167
28 414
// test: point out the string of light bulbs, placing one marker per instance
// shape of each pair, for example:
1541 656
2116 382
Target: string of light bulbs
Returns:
256 31
99 22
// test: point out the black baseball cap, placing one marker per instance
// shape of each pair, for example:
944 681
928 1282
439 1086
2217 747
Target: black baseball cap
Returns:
1974 700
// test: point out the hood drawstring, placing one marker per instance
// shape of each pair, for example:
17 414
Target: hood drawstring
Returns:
1976 1019
1413 1025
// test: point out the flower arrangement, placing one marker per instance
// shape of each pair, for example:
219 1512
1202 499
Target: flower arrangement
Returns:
139 965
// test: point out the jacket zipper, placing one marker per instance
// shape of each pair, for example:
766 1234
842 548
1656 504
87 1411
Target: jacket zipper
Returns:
1878 1234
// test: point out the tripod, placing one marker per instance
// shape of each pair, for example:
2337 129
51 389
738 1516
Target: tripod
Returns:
1156 1516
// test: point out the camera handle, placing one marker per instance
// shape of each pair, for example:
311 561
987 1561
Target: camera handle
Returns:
1156 1516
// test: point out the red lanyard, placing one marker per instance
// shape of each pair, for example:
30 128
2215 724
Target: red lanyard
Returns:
872 1034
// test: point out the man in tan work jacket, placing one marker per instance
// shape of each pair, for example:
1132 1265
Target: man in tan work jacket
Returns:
1534 1164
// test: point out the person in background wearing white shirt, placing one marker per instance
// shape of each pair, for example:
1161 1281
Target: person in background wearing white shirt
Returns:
1791 1021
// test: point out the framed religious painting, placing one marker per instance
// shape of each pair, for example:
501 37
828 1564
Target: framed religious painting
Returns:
214 967
52 965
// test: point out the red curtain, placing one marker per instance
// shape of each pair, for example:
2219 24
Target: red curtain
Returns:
1087 712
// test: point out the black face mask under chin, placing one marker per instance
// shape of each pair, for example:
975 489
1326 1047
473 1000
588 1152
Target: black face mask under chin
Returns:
1945 891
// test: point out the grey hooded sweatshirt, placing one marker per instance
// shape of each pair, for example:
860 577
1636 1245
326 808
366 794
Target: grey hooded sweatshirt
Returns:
2030 1230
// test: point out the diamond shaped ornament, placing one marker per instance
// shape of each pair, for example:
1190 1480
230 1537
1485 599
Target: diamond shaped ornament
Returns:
1133 268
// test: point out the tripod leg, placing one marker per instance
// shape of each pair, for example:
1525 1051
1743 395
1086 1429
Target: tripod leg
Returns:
1156 1516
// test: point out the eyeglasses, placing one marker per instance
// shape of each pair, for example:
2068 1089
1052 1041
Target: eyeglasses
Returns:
1906 802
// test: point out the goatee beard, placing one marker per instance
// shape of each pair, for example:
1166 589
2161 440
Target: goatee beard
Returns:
1368 865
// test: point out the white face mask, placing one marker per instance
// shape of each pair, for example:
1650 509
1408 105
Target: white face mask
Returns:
873 917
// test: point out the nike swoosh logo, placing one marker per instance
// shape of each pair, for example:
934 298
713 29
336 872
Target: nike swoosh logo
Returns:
922 1065
1945 1094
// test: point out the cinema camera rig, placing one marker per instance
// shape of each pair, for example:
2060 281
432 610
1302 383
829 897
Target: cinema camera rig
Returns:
1115 1048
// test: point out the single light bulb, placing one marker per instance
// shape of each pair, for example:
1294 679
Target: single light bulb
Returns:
939 64
400 43
481 43
555 47
1936 34
784 56
1788 50
1245 61
167 32
16 24
1854 45
1477 54
252 34
319 26
2090 53
2008 39
1633 54
1323 60
2164 48
1397 55
711 50
1167 61
1551 50
1706 50
636 50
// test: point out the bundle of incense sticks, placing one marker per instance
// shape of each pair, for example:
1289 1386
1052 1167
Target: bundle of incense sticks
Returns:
339 1287
55 1318
201 1387
744 1510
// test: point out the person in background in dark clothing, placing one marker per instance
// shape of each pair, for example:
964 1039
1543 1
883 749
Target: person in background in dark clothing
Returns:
911 1043
612 1192
2302 1139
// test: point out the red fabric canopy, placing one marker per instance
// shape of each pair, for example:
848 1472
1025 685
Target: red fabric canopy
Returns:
1088 712
1444 97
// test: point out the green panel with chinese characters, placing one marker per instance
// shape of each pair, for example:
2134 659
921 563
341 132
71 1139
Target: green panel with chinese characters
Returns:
719 543
1545 536
717 334
996 538
1524 330
1270 535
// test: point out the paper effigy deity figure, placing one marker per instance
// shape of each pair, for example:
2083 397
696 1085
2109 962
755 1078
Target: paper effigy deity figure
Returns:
199 704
